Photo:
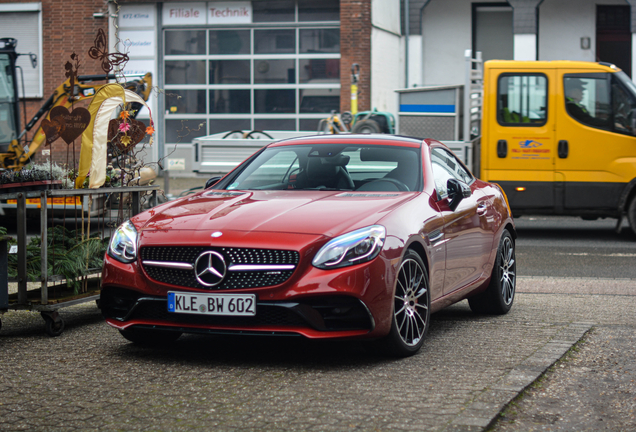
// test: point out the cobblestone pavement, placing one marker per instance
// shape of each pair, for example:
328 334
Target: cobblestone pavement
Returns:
90 378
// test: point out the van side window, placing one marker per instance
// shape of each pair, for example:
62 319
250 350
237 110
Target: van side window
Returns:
623 103
522 99
587 99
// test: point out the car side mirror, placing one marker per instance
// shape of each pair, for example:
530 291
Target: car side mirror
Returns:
211 182
457 191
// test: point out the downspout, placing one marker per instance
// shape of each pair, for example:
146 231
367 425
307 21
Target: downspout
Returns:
406 42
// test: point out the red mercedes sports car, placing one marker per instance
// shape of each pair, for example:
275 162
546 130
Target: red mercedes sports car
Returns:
340 236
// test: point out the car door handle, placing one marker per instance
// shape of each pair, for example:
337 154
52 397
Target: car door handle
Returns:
563 149
502 149
482 209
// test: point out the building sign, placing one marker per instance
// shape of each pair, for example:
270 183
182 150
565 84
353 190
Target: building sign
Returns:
230 12
137 43
137 16
184 13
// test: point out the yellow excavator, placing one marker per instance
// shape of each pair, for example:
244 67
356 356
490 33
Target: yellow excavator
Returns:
15 150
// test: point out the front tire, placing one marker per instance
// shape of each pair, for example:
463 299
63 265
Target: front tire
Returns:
411 308
500 294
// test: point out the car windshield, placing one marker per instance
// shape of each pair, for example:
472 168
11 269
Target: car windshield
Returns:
332 167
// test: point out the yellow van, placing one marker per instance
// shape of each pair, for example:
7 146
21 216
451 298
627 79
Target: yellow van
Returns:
560 137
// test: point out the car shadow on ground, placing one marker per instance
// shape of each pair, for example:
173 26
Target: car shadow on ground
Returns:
263 351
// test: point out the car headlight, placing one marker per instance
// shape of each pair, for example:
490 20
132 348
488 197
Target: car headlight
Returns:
352 248
123 244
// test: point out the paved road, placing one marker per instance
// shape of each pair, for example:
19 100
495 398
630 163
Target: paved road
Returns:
571 247
470 368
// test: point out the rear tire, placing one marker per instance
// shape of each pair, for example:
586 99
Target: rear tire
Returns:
500 294
411 308
366 127
150 337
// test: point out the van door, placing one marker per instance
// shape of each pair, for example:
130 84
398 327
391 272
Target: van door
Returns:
596 143
519 135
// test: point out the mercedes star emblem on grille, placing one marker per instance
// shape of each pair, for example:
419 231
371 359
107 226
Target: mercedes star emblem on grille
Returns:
210 268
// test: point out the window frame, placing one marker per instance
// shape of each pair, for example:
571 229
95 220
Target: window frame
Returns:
252 116
473 179
35 7
547 99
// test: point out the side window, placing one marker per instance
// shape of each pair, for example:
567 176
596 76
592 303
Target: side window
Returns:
446 166
623 106
587 99
522 100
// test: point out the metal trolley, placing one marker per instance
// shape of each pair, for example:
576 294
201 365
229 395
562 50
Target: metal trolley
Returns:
92 202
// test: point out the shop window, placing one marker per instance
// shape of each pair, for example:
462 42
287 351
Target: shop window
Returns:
185 42
226 42
587 99
308 124
281 101
281 41
319 100
522 100
183 131
224 101
185 101
226 125
319 40
319 71
185 71
274 71
229 71
275 124
318 10
273 11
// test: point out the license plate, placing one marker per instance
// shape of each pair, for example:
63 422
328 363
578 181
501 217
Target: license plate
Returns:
212 304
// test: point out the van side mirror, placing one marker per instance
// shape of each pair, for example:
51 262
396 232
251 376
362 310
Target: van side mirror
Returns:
457 191
212 181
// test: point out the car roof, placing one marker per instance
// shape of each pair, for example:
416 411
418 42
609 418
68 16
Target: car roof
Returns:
364 139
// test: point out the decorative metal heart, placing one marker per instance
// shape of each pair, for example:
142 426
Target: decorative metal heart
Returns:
75 122
53 129
137 132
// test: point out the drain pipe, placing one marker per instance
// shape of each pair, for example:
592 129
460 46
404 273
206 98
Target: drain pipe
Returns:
406 42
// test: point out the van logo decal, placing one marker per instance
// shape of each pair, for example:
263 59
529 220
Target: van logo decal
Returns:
530 144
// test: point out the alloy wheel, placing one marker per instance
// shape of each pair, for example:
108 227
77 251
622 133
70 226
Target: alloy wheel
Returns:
507 268
411 302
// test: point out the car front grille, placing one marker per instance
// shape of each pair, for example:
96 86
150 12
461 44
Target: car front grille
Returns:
163 257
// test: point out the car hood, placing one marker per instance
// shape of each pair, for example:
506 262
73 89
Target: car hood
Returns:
326 213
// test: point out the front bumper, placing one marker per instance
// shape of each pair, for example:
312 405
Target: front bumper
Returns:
319 317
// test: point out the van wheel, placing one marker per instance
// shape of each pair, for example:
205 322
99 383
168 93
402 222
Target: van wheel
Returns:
631 214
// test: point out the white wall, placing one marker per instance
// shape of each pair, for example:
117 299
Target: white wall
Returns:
446 33
387 55
385 14
562 24
387 69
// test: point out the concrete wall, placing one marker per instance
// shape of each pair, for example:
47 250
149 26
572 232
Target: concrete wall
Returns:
387 54
562 24
446 33
387 69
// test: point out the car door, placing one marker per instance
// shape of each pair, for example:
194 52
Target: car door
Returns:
467 237
518 147
596 140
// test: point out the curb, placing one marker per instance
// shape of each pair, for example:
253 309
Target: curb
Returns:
484 410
